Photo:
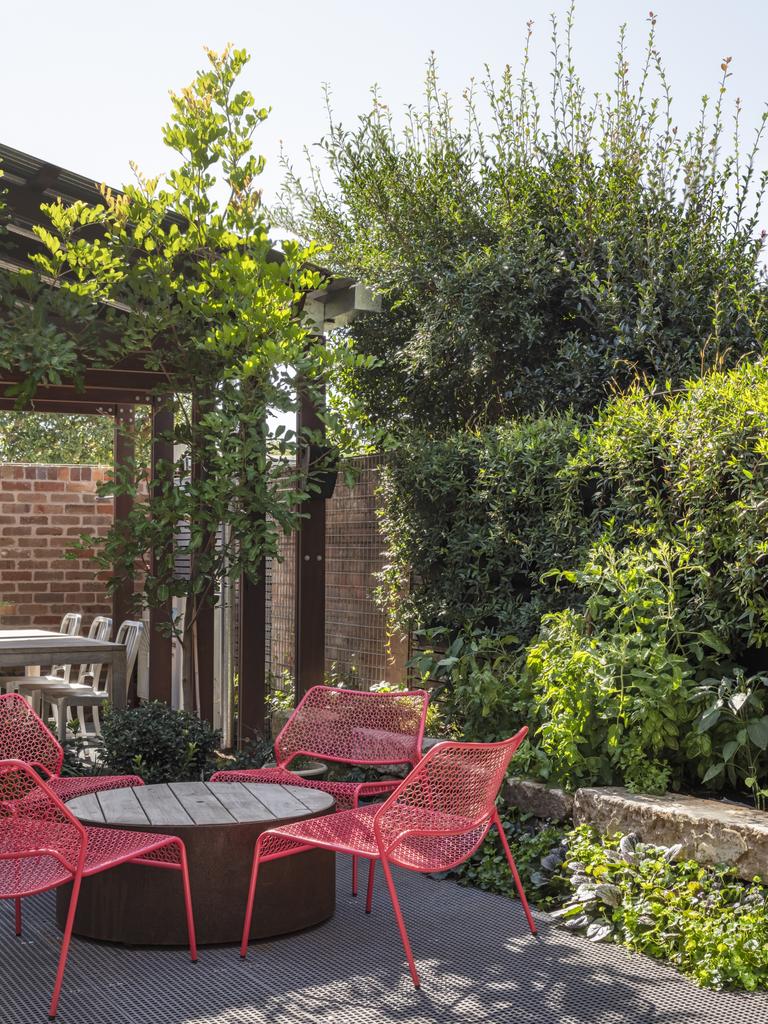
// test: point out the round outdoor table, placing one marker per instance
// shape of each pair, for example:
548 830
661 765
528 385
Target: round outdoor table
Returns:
219 823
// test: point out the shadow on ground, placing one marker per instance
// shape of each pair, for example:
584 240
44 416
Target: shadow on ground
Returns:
478 963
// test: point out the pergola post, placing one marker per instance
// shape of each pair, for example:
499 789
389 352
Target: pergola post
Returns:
203 628
124 452
310 573
161 642
252 690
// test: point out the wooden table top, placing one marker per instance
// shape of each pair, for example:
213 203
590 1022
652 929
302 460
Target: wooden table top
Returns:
41 641
185 804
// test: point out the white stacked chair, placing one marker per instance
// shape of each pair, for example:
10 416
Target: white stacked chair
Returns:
92 694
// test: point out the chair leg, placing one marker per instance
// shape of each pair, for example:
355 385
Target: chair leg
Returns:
18 915
400 922
355 805
371 874
61 720
249 902
65 946
515 875
188 903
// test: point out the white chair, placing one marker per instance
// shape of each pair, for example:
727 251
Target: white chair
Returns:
89 675
62 698
70 625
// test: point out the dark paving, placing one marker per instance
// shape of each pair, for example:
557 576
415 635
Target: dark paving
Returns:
478 964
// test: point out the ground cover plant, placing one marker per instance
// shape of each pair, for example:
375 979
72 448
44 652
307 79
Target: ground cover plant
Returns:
708 923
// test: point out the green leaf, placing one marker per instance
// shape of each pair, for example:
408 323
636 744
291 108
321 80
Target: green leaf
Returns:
713 772
758 732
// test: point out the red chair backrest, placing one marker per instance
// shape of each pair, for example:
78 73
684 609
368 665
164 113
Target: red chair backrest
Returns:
354 726
25 737
35 827
451 791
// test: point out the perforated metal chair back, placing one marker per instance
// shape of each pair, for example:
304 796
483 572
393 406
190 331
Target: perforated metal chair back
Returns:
443 810
24 736
355 726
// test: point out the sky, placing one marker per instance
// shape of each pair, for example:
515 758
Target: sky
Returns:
85 84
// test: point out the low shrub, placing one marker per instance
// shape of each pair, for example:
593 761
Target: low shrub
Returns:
158 743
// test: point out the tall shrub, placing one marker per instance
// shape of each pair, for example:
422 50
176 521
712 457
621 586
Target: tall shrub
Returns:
539 253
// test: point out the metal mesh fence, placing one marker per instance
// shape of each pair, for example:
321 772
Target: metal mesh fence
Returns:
357 648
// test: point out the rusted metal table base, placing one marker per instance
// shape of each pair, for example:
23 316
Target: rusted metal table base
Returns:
138 906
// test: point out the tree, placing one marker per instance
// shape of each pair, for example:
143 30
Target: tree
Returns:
180 271
528 261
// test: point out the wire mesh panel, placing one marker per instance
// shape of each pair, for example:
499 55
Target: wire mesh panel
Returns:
357 648
281 613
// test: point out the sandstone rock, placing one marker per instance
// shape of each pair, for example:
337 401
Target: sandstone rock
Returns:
710 831
544 801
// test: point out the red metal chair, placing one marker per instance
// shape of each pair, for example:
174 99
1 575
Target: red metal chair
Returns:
350 727
25 737
436 818
43 846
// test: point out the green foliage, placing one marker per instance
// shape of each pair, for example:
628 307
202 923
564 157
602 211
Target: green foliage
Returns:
475 676
626 556
477 519
735 719
180 272
56 439
704 921
533 257
157 743
612 684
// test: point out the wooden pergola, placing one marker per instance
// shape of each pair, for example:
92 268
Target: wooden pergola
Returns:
115 392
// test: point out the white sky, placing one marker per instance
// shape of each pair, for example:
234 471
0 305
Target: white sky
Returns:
85 84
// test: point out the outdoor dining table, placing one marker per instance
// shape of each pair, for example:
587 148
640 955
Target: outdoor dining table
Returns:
28 648
219 823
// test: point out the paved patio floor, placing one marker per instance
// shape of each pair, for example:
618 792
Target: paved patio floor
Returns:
478 963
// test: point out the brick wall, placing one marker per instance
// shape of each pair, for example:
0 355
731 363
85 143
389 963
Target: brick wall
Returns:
43 510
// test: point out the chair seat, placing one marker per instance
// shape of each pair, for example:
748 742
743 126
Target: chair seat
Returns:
345 831
352 832
344 793
30 682
71 693
107 847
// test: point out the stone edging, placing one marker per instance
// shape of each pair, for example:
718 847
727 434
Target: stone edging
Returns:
710 831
